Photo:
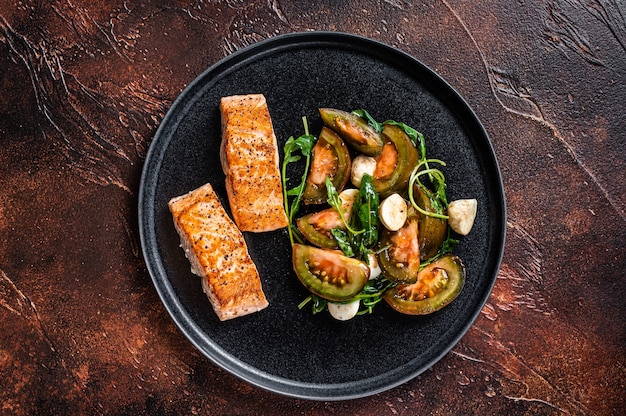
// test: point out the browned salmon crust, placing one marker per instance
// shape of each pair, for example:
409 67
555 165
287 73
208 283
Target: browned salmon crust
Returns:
218 254
250 161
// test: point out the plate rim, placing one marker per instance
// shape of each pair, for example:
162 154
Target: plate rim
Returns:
176 310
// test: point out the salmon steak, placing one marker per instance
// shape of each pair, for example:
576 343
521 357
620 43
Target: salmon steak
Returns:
250 161
218 253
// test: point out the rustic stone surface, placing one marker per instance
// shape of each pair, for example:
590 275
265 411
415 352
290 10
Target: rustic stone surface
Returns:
84 86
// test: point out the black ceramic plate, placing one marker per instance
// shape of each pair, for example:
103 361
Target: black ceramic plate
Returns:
281 348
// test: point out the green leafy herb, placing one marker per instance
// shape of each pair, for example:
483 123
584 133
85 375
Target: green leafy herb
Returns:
317 304
416 137
335 201
372 293
438 198
304 145
365 216
361 232
370 296
343 241
370 120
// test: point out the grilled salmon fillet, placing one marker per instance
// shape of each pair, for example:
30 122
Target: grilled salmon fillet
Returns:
249 158
218 253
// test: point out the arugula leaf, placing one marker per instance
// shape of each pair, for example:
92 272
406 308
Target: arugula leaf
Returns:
317 304
343 241
362 228
366 209
369 296
335 201
438 198
304 145
367 117
372 293
416 137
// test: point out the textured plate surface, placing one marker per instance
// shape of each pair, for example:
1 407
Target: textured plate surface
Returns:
281 348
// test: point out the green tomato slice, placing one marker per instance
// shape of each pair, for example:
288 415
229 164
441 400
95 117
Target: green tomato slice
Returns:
328 273
432 231
354 130
395 162
437 285
400 258
331 159
316 227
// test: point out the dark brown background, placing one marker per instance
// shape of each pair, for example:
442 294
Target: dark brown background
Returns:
84 85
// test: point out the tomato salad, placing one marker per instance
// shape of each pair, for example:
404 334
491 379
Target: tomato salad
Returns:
378 224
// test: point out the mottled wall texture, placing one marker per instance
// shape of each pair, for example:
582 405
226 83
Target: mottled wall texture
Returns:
84 86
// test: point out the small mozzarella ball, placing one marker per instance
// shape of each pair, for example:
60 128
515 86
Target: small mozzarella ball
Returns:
375 270
348 196
360 166
393 212
461 215
343 311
